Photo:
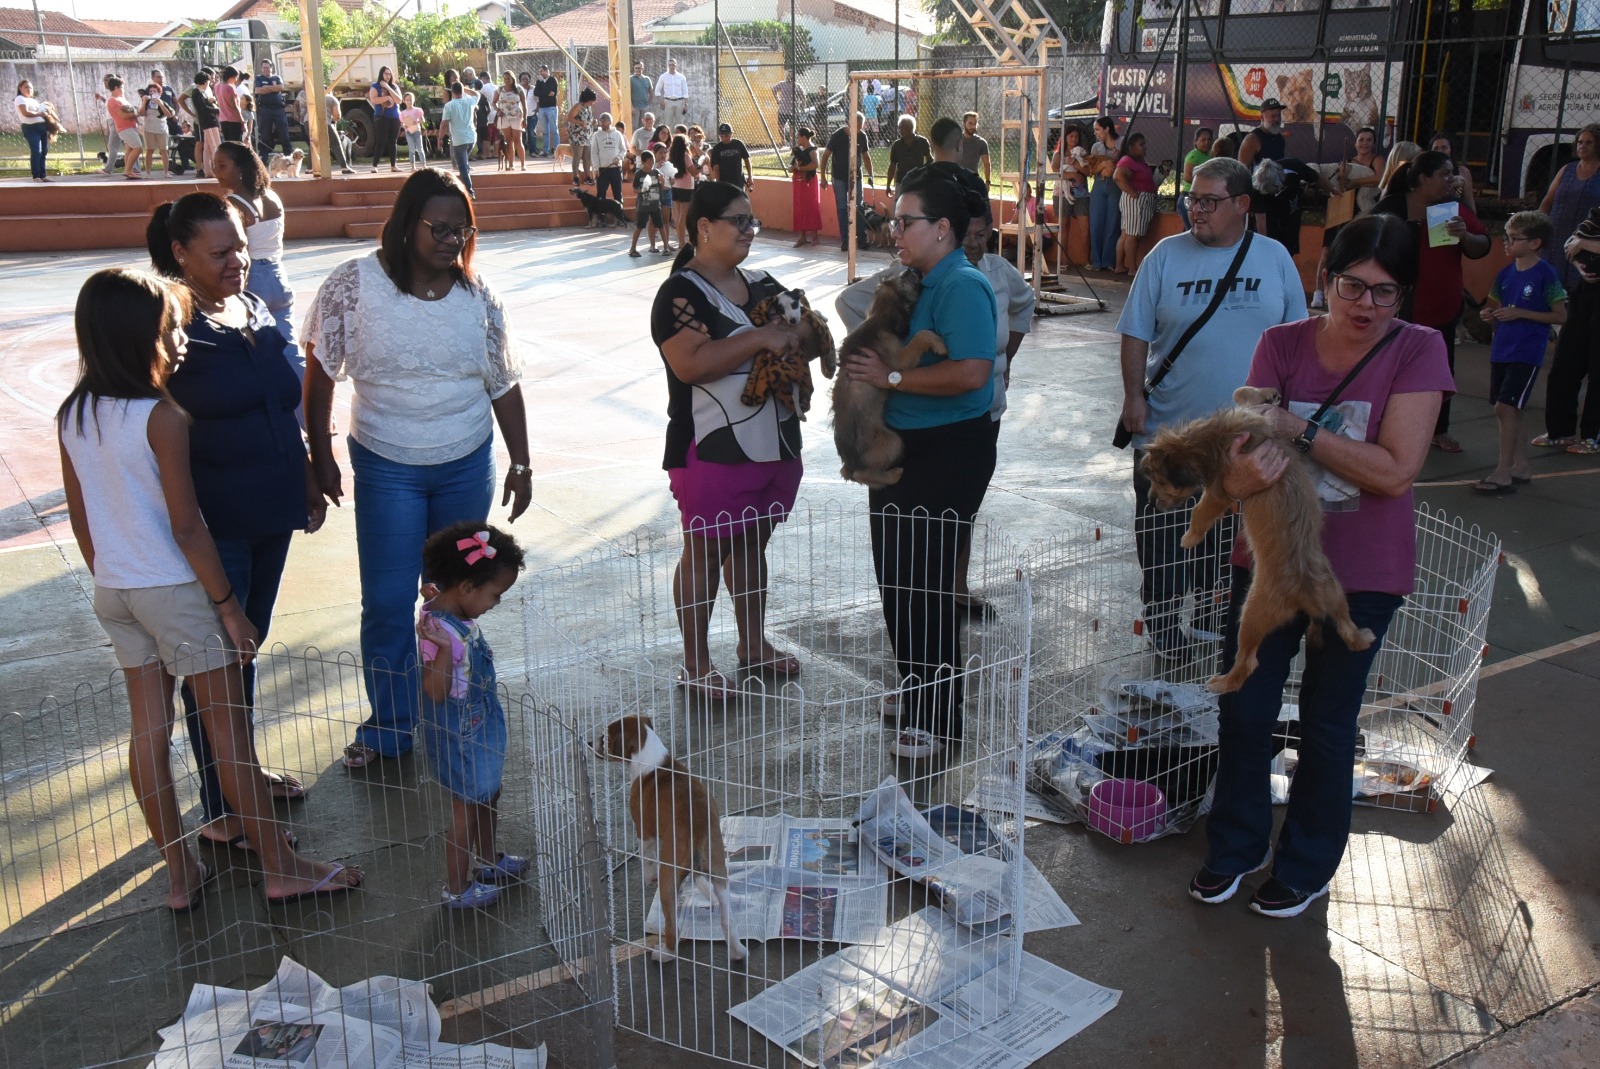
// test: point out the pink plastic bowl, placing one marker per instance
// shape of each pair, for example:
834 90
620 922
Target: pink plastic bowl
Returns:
1128 810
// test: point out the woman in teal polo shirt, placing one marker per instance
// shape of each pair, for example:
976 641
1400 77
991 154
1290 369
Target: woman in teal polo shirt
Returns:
941 410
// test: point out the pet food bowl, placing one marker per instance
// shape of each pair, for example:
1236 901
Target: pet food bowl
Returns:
1127 810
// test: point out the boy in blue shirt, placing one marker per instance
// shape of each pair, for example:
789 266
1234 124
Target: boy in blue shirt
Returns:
1525 301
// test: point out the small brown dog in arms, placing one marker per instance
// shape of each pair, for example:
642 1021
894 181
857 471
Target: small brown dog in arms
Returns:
788 377
869 449
1283 524
679 828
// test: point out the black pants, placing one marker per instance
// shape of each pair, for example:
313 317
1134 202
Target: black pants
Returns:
609 178
1442 424
232 131
385 134
918 526
1170 571
272 129
1577 357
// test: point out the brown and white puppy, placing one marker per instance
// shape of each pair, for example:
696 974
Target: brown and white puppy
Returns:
1283 524
679 828
869 449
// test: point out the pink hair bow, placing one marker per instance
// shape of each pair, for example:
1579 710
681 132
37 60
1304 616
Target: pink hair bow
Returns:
477 547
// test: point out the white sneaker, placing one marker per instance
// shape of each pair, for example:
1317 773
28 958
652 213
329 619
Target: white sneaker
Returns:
1319 299
889 705
916 743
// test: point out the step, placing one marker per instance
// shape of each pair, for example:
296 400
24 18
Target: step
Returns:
523 220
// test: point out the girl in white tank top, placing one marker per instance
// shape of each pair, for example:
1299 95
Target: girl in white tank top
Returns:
160 589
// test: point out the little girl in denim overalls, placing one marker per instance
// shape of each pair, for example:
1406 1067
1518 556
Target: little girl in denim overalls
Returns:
463 723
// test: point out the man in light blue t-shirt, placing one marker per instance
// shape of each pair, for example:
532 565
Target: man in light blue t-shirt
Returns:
460 113
1173 288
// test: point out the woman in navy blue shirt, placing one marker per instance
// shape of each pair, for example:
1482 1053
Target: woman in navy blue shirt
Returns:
384 96
251 472
941 411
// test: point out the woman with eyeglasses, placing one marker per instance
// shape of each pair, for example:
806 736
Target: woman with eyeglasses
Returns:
1365 449
426 346
941 411
1435 302
734 468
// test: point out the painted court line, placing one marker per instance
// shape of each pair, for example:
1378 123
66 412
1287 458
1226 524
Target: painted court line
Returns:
1524 659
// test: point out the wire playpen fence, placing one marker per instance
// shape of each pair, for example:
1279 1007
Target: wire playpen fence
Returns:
877 890
94 964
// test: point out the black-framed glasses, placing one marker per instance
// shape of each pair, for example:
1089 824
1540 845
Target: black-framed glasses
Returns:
742 222
450 232
1203 205
899 223
1511 238
1350 288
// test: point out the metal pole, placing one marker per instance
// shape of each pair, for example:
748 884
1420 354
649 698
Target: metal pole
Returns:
794 101
77 112
716 24
316 109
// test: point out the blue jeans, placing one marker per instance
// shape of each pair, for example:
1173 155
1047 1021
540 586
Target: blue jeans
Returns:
1317 826
38 145
549 131
254 567
841 204
1105 223
414 147
272 128
267 282
1183 210
462 154
397 507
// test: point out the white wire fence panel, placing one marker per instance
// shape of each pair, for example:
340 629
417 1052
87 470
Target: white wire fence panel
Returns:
1124 731
787 754
93 961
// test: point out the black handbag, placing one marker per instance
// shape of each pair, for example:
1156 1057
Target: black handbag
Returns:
1123 435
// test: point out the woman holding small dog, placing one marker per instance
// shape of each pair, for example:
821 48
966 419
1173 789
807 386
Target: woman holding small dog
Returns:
941 411
1361 391
733 468
426 344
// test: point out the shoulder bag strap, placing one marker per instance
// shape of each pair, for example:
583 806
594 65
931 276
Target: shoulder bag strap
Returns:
1194 328
1333 398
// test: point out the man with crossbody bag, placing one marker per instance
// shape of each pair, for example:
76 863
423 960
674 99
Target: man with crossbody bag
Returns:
1198 305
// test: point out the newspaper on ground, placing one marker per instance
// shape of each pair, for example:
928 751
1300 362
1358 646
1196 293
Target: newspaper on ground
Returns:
929 983
790 878
961 860
297 1020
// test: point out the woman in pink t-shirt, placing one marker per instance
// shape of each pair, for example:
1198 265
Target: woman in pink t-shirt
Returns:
1138 185
125 122
1365 453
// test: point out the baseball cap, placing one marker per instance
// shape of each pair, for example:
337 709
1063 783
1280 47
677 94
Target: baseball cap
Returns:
724 128
1271 104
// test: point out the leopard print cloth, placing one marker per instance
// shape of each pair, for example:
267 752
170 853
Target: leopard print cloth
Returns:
787 377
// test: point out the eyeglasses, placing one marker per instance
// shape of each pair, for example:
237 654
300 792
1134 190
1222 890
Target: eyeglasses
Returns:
899 223
742 223
1350 288
1513 238
1203 205
447 232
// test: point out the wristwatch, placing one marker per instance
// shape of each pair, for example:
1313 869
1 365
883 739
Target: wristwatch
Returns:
1303 440
894 380
520 469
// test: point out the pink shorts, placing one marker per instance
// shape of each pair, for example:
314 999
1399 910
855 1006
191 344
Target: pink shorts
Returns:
719 500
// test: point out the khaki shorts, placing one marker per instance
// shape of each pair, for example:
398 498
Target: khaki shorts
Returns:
176 624
155 138
131 138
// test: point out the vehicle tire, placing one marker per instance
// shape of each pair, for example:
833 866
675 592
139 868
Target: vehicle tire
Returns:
361 136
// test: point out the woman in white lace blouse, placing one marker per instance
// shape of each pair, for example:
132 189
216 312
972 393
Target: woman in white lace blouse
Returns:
425 344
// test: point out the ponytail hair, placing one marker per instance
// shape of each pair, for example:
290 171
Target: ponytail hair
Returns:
179 221
949 191
710 200
253 176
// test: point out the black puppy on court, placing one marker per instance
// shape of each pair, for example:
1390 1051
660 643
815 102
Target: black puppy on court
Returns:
603 211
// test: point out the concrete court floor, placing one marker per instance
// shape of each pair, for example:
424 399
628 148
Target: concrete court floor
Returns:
1444 934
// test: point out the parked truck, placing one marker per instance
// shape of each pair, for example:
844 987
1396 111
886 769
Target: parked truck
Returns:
244 43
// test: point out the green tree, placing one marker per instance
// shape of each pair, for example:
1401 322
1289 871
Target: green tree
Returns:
190 47
423 44
771 35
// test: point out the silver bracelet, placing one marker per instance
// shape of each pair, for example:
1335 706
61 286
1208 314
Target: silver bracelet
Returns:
520 469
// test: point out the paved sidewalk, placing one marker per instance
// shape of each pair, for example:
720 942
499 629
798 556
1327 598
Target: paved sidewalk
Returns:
1444 933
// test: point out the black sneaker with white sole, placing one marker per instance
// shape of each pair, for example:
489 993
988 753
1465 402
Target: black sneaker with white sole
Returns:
1214 889
1278 899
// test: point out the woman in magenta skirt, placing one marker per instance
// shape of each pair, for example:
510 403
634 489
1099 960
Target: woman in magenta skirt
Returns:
803 175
